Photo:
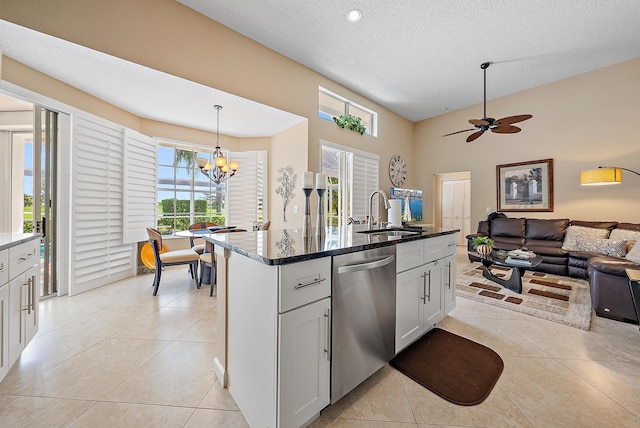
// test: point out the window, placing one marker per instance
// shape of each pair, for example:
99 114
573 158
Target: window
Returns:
352 176
186 196
331 104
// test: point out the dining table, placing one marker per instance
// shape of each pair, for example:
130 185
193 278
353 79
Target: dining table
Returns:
200 233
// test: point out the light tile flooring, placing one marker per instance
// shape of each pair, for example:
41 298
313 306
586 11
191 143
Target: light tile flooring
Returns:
118 357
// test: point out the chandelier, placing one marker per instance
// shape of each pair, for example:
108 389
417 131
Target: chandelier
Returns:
220 170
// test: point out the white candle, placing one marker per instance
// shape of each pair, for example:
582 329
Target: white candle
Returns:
307 180
321 180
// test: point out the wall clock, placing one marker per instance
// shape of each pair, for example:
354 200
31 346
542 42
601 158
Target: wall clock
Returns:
397 170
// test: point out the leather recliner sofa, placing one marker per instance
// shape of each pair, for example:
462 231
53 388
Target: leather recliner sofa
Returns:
608 283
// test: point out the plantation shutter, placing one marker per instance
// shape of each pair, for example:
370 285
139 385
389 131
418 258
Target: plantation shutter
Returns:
365 175
140 184
98 254
246 200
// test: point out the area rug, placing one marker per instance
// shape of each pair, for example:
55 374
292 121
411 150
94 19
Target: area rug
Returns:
555 298
457 369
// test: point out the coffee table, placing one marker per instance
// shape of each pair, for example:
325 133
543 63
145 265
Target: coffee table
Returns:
514 283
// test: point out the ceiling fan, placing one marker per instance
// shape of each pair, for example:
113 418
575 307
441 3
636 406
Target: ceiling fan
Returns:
499 126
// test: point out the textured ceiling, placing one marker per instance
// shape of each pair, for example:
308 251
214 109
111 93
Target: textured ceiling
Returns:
420 58
135 88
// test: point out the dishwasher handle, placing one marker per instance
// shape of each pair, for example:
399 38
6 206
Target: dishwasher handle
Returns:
366 266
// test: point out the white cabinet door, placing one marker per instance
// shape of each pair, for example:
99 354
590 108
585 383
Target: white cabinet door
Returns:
433 311
409 306
449 283
304 363
4 330
17 301
32 279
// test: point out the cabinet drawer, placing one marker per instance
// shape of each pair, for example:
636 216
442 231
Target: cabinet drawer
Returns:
304 282
23 256
409 255
433 248
4 267
449 244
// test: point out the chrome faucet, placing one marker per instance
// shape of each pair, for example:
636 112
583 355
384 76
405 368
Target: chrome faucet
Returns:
386 205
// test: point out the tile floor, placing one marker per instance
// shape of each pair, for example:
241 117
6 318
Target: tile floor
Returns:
118 357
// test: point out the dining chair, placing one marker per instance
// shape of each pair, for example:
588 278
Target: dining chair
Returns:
199 226
171 258
209 260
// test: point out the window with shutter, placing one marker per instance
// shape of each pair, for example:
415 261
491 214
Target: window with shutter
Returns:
140 178
246 190
98 253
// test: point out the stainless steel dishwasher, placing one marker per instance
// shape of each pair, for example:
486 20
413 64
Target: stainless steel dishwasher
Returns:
364 316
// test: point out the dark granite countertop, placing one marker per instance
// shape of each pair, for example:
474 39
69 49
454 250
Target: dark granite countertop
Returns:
8 240
284 246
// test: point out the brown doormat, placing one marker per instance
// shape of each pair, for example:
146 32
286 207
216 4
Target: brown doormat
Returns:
457 369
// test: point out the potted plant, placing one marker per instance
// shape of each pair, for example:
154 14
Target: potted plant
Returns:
482 244
350 122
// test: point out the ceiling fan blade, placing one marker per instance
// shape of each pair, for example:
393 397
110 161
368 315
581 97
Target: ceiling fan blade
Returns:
479 122
473 136
513 119
508 129
457 132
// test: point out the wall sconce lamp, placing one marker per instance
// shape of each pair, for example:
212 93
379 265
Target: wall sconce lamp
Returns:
603 176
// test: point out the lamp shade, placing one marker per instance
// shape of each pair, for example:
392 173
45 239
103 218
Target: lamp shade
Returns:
601 177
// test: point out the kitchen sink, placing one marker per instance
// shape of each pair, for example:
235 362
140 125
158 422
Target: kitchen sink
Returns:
392 232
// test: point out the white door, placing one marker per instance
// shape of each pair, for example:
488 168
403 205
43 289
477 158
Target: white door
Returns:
456 207
433 311
410 289
449 283
304 366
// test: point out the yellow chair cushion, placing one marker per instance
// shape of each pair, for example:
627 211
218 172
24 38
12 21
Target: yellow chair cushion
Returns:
179 256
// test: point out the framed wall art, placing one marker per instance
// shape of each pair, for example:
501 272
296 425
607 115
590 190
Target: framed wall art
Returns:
525 186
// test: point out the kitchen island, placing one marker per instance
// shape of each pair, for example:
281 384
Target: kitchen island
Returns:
277 306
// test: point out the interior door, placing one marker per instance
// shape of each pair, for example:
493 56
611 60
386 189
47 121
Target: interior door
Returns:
45 144
456 207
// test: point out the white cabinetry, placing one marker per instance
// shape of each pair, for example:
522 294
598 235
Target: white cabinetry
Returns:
4 313
18 300
279 334
24 272
425 286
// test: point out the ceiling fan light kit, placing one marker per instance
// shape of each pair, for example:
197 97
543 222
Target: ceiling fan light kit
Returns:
499 126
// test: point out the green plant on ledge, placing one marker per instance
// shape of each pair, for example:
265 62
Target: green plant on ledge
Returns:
350 122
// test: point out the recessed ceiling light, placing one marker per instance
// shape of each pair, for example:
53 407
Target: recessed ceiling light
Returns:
354 15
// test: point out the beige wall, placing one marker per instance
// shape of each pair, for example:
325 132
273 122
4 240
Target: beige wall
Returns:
288 148
581 122
167 36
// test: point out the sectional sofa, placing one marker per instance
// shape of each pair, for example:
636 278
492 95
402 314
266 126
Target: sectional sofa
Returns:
596 251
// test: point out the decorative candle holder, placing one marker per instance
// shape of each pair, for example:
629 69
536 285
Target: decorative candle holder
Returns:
306 222
321 228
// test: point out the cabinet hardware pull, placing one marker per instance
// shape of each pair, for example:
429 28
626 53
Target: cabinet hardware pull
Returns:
429 295
366 266
33 293
29 297
2 268
449 275
327 338
424 288
312 282
28 256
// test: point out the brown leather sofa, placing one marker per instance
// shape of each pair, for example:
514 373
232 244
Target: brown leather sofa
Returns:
610 294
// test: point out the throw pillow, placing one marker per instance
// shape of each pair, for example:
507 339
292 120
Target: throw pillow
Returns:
607 247
586 232
634 254
631 236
